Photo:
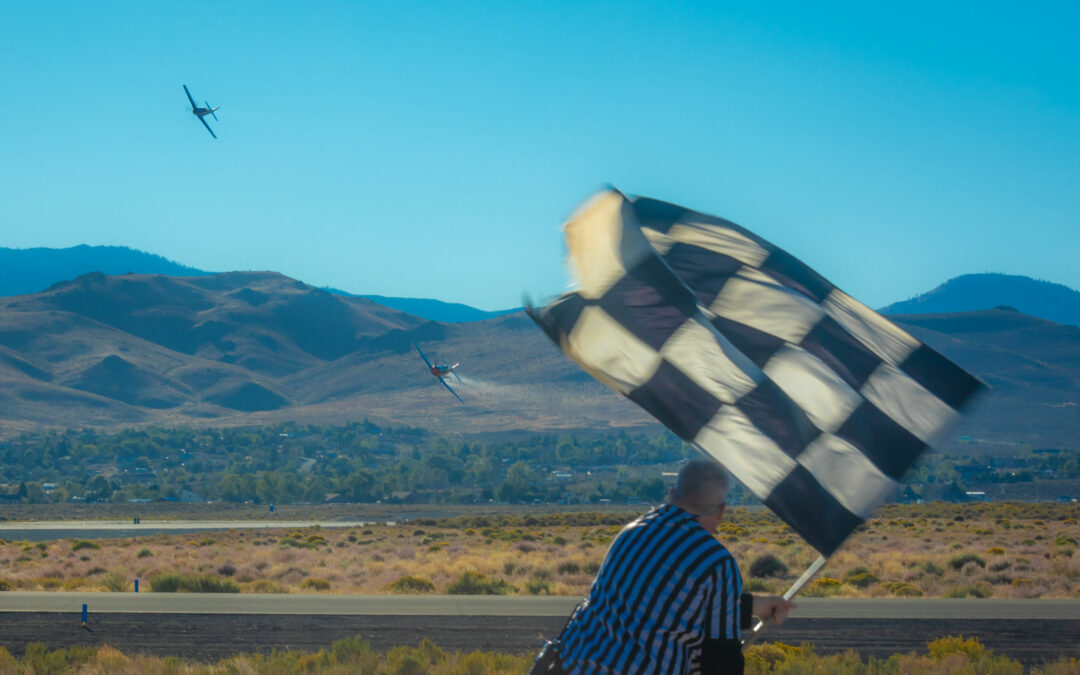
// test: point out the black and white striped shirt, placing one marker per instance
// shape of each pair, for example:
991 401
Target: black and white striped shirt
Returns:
667 590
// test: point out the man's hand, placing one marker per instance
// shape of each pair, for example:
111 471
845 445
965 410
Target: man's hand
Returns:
771 608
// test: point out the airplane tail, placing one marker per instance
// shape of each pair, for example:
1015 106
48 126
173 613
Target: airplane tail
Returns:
211 109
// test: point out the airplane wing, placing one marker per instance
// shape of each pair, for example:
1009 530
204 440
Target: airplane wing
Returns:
424 356
207 127
455 373
193 106
451 389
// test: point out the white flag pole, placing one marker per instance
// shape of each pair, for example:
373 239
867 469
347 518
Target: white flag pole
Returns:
814 568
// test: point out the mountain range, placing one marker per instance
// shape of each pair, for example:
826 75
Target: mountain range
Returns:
30 270
973 292
251 347
246 348
141 339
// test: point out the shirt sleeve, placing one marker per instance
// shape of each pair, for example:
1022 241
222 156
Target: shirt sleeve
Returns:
746 610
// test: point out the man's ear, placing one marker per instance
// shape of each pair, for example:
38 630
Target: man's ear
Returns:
723 508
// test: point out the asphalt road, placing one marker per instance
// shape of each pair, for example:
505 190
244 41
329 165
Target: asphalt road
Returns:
478 605
47 530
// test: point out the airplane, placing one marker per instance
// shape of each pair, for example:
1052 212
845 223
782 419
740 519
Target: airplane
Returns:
201 113
441 371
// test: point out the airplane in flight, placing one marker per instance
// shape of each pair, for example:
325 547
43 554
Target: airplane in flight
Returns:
441 371
201 113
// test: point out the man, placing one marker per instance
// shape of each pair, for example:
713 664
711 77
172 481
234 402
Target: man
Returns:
668 598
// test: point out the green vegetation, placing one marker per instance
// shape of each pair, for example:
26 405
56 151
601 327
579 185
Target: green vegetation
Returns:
115 582
958 562
903 589
768 565
975 591
861 579
361 462
474 583
172 582
946 656
410 584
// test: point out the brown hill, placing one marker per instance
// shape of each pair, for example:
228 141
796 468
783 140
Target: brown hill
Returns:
252 348
1032 365
249 348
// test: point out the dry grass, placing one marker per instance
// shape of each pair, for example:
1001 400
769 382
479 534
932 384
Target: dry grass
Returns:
1001 552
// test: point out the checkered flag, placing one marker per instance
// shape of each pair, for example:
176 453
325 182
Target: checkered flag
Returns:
815 402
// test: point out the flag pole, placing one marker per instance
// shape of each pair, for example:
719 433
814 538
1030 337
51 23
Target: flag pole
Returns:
814 568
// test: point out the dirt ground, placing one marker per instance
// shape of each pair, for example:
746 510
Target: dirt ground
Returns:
208 637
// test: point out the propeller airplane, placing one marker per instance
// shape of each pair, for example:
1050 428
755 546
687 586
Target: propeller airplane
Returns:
441 372
201 113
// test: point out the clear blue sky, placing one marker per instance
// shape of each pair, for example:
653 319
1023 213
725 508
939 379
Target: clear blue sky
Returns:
433 149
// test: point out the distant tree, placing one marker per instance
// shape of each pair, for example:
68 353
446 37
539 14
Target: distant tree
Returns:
32 493
359 486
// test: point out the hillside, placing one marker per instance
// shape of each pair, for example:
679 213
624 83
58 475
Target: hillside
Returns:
1032 365
259 347
254 347
974 292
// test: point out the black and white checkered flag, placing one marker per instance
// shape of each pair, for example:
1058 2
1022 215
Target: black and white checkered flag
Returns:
815 402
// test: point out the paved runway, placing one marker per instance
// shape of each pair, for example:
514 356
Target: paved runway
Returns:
474 605
208 627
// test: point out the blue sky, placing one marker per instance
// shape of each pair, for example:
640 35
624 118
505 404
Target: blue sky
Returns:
433 149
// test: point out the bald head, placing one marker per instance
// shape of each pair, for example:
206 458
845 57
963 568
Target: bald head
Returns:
701 487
